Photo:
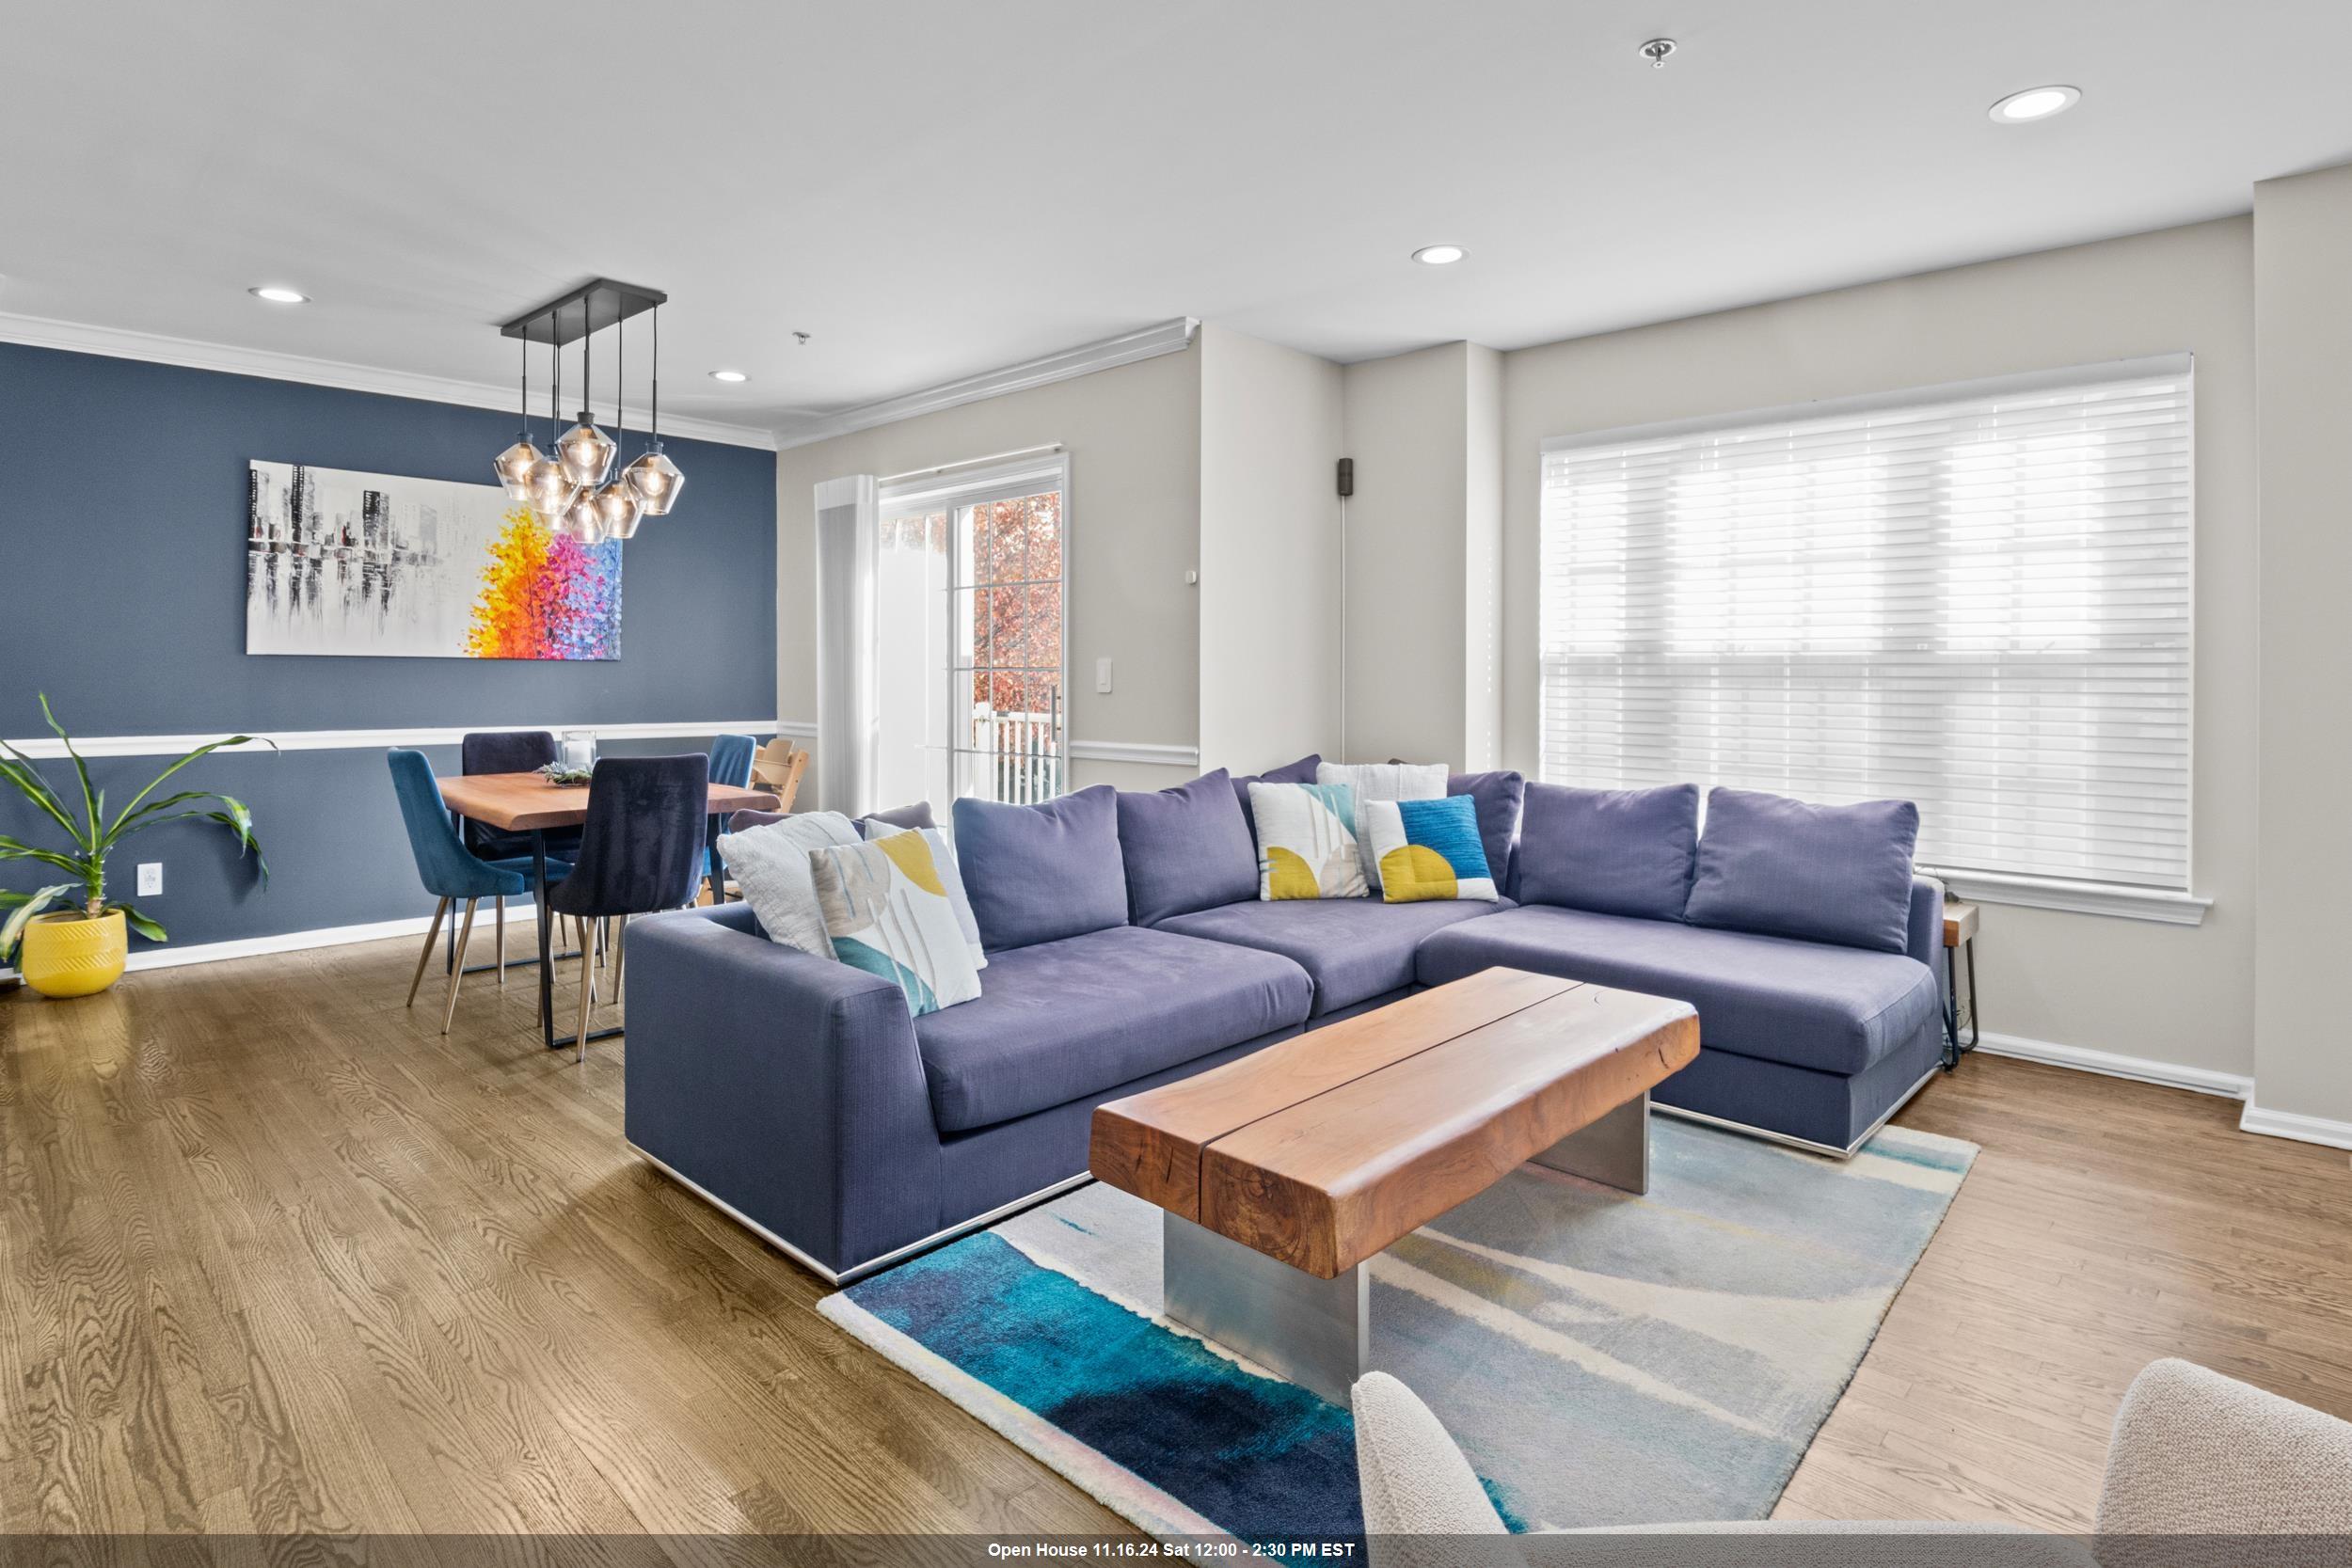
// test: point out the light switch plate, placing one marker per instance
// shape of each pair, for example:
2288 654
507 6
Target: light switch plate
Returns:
1102 675
150 878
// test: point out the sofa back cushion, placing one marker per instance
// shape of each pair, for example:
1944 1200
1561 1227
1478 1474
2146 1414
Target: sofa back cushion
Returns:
1301 771
1790 868
1186 848
1500 797
1043 872
917 816
1613 852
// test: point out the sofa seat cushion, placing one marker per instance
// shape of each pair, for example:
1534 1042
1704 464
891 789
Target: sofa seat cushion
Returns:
1835 1010
1058 1020
1353 948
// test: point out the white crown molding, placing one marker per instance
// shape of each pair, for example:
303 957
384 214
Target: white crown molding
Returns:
2052 892
2172 1075
1168 337
1135 751
344 740
122 344
2302 1128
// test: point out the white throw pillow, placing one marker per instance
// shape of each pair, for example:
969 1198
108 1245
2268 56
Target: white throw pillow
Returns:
770 863
950 876
1382 781
1306 849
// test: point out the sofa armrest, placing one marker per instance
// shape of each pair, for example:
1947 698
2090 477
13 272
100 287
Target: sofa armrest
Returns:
1923 933
786 1086
2197 1453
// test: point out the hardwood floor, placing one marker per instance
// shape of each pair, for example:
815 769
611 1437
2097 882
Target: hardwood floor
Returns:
274 1255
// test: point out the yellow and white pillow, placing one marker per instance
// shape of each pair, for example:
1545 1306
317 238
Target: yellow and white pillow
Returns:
1306 841
887 910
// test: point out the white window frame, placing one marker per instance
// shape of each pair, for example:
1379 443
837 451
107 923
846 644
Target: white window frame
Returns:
951 489
2166 904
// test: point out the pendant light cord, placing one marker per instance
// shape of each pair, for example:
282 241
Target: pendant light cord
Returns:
657 378
620 391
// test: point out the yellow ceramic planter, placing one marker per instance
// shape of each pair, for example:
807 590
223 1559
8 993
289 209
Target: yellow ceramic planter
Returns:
71 955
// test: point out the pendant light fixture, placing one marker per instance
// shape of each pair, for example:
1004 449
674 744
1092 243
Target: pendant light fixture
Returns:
515 463
654 477
617 506
552 490
574 488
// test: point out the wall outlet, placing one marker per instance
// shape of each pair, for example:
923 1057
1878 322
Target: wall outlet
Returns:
150 878
1102 675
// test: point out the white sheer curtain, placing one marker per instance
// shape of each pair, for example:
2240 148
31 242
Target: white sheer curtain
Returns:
847 533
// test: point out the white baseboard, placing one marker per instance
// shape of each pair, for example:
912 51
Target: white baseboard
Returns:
171 957
2302 1128
2172 1075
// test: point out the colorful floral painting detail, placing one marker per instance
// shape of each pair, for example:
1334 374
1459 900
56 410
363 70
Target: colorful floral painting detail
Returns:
546 596
346 564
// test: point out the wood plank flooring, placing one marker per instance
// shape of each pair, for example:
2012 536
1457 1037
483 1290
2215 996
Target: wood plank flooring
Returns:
274 1255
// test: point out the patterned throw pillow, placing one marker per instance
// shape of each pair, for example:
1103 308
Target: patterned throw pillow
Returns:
1429 849
1381 781
1306 849
950 876
888 913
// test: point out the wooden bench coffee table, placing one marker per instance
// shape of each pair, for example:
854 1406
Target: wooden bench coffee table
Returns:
1280 1173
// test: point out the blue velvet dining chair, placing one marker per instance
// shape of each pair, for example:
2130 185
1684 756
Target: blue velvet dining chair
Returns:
730 764
510 751
640 853
449 870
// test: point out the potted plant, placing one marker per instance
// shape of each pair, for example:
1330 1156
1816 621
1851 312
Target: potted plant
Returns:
79 950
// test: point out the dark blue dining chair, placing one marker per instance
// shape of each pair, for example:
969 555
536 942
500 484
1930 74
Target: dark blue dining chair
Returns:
730 764
510 751
641 851
449 870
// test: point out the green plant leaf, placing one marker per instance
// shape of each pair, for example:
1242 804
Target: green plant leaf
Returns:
19 771
13 932
89 837
141 924
16 849
157 782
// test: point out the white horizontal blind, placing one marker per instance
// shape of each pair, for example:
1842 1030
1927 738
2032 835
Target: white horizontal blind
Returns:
1977 600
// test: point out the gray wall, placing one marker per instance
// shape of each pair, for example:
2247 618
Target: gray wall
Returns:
2303 325
123 592
2173 994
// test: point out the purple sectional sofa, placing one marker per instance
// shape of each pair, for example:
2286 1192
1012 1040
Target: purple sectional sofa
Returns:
1127 948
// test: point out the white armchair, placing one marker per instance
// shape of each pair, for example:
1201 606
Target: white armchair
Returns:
2194 1453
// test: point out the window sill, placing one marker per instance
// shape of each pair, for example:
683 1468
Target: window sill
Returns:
2053 893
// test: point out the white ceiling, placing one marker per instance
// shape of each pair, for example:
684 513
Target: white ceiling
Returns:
937 189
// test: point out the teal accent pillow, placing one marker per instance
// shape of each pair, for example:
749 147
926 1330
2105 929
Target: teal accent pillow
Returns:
1428 849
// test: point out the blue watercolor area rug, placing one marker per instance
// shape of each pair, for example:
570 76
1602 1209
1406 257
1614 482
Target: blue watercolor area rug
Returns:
1602 1358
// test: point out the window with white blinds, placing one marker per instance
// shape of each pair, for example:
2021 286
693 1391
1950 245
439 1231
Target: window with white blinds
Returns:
1974 597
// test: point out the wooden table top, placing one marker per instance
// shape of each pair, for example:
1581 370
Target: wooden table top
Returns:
1960 922
1327 1148
519 802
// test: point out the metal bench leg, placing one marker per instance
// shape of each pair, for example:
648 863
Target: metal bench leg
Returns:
1312 1331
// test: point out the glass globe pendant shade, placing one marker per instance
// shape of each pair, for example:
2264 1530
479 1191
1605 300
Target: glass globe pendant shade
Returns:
514 467
582 520
550 491
618 511
585 452
656 481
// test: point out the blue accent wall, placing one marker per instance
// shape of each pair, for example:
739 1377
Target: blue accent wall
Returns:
122 596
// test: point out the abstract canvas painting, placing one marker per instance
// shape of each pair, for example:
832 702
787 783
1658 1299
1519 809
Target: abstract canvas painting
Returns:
367 565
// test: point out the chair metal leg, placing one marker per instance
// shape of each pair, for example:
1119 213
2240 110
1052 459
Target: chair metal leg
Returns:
432 935
620 958
587 996
457 969
499 909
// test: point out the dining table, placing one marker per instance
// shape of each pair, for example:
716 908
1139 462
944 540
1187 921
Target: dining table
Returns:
531 803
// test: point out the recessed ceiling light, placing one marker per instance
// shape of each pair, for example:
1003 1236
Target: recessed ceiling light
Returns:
2035 103
279 294
1439 255
728 376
